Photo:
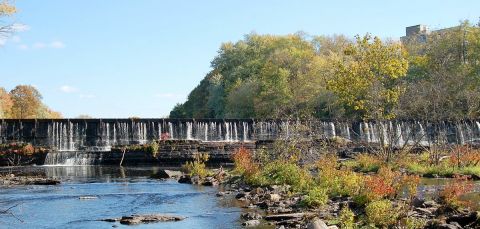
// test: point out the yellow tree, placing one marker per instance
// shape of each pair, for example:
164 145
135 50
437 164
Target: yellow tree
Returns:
26 102
6 103
367 79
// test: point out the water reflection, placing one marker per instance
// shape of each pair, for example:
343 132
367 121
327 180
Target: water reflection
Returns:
119 191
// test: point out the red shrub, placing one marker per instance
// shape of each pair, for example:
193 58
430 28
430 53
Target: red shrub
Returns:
244 162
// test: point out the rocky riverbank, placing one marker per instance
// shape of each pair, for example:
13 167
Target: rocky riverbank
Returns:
280 206
11 179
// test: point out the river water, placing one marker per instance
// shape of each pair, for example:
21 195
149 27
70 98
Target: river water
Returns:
119 192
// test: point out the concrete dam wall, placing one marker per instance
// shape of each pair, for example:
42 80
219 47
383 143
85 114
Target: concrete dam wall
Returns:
100 135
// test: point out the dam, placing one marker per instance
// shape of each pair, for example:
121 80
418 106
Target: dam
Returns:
69 137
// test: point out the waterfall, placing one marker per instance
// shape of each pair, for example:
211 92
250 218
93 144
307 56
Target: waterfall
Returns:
189 131
71 158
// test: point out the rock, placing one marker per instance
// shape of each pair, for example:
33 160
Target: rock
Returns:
251 215
424 211
87 197
167 174
185 179
241 195
447 226
251 223
257 191
210 181
280 217
138 219
431 203
196 180
274 197
219 194
317 224
416 202
463 220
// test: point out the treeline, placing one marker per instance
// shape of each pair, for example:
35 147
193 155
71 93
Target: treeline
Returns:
24 101
334 77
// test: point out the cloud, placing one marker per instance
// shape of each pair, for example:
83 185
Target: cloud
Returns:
39 45
57 44
53 44
3 41
17 27
87 96
23 47
68 89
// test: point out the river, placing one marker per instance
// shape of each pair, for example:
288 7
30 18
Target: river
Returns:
119 192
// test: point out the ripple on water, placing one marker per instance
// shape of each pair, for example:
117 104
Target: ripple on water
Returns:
119 192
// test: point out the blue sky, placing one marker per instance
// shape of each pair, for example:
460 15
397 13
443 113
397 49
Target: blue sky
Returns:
119 58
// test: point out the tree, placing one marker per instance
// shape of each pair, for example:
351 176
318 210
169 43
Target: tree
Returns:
367 80
6 9
6 103
26 102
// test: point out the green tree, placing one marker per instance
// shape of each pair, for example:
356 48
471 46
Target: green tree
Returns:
367 80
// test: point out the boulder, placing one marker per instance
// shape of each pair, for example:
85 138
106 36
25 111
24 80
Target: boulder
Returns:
167 174
317 224
251 215
185 179
251 223
274 197
210 181
138 219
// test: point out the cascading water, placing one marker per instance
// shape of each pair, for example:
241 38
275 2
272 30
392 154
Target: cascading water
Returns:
70 138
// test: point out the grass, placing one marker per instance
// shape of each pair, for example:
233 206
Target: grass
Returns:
443 170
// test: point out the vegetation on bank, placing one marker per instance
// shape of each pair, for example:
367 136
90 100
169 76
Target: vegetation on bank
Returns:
302 76
19 153
382 192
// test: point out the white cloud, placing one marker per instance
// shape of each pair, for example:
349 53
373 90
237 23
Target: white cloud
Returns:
39 45
23 47
3 41
17 27
87 96
68 89
57 44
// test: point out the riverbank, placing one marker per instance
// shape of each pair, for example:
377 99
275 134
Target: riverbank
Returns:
332 192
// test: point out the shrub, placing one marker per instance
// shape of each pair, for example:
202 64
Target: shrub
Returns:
339 182
316 197
462 156
197 167
459 186
153 148
28 149
376 188
381 213
408 183
282 172
415 223
347 218
244 163
367 163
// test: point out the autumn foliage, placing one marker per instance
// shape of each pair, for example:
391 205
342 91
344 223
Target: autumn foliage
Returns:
459 186
244 162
